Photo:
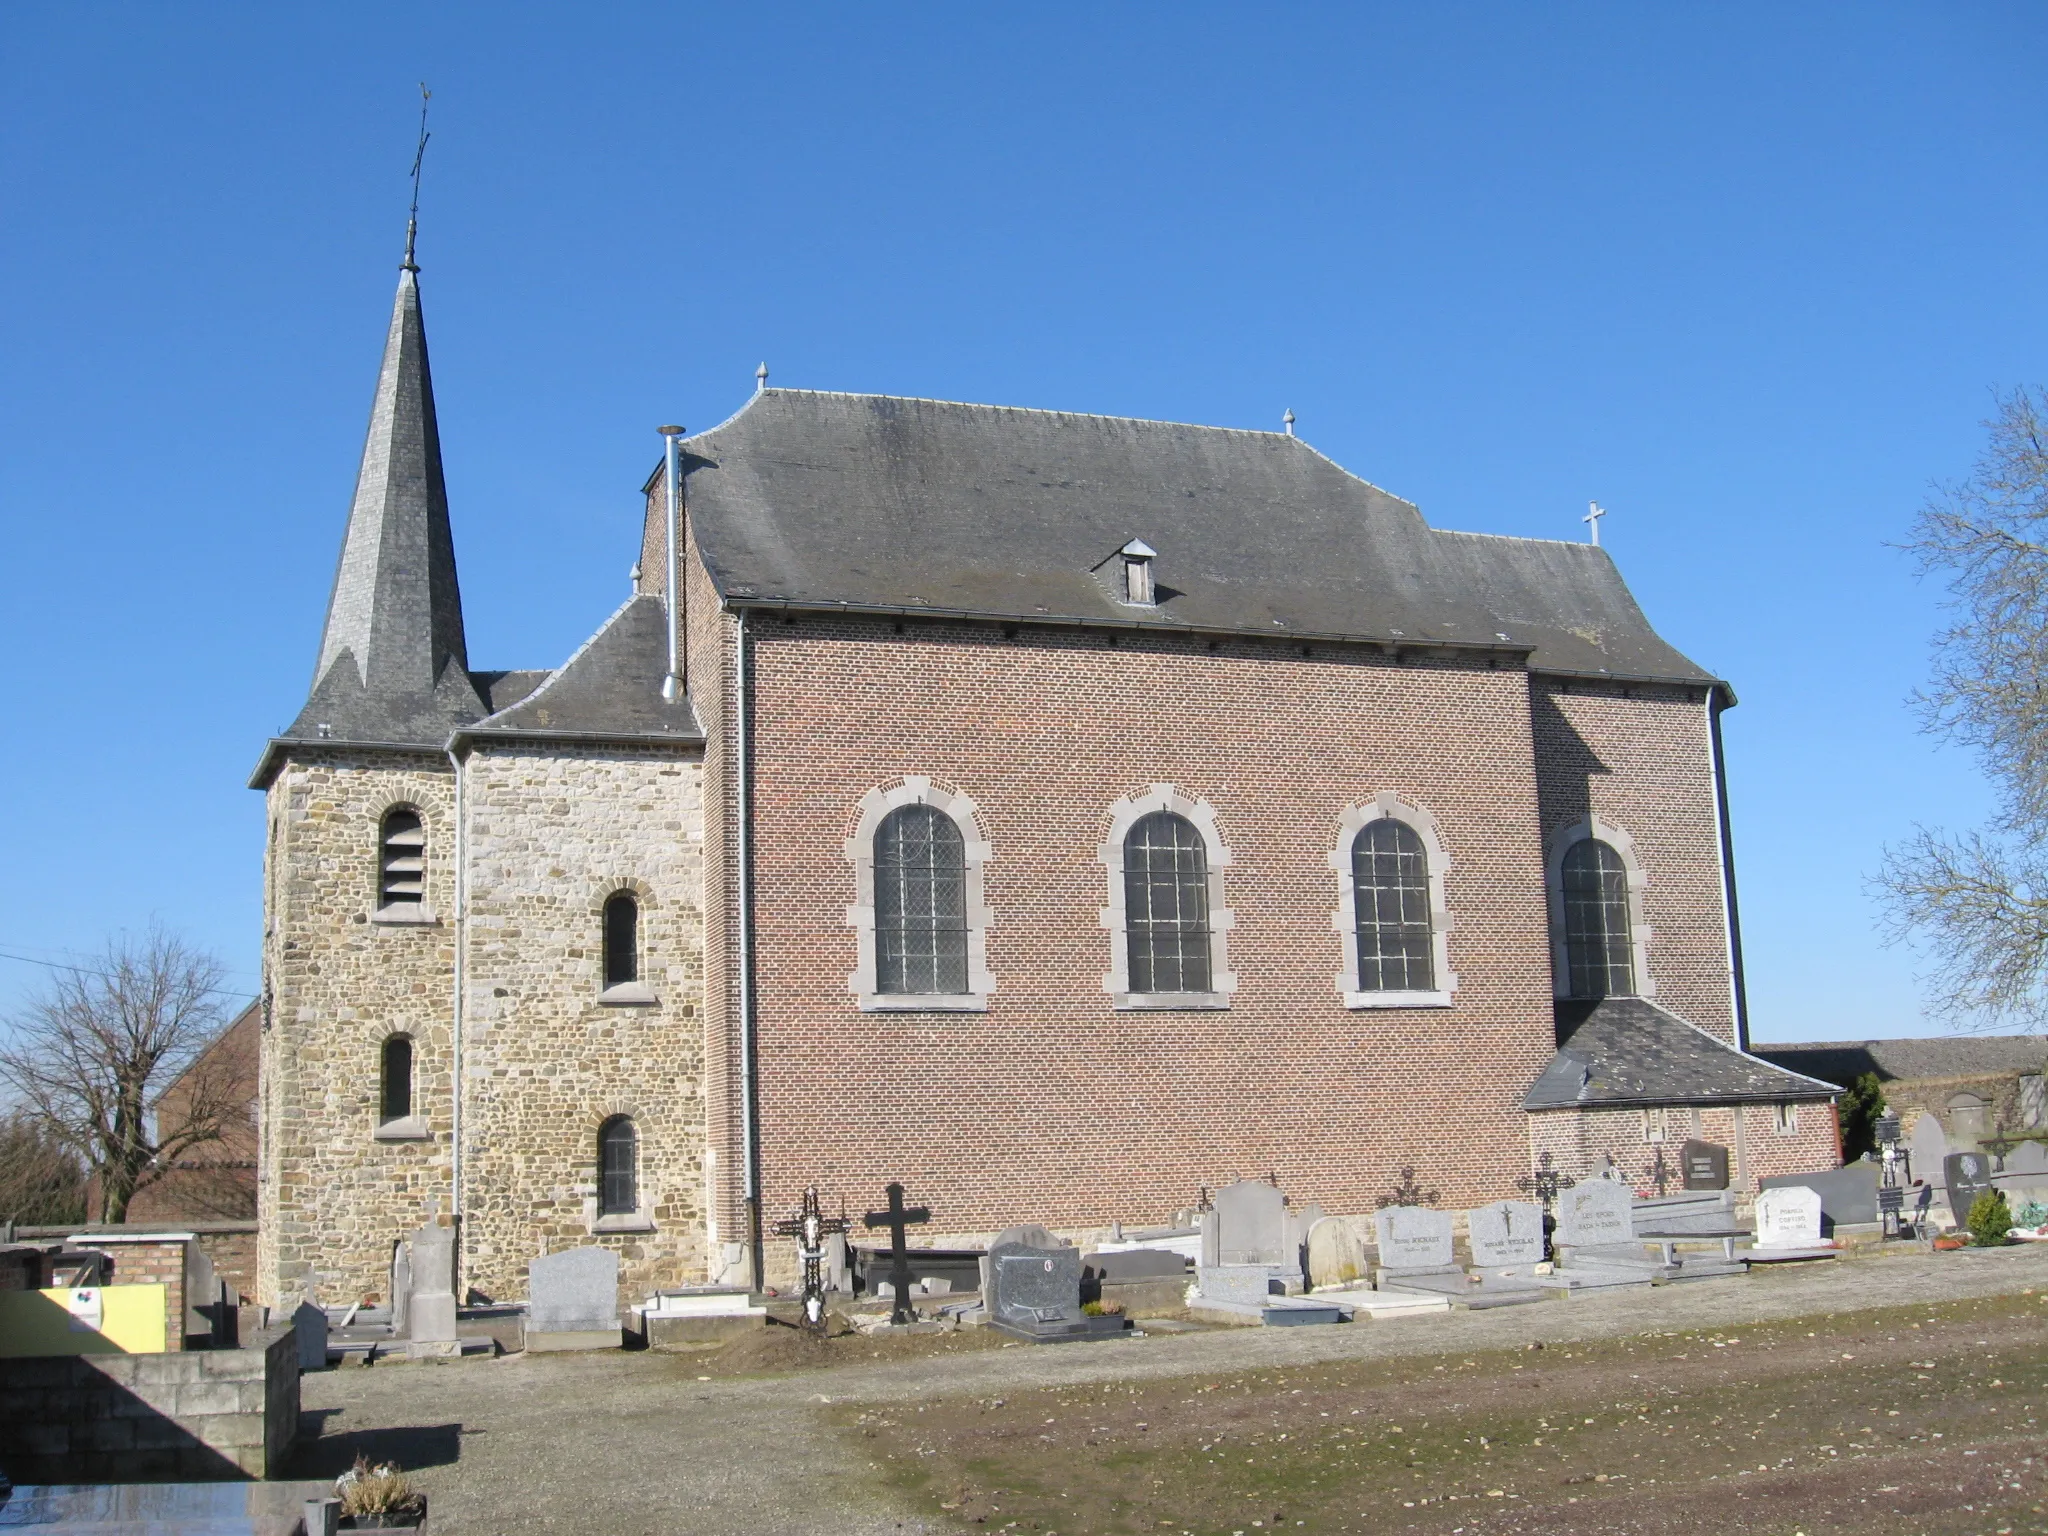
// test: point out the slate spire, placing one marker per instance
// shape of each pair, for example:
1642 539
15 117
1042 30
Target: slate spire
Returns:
393 663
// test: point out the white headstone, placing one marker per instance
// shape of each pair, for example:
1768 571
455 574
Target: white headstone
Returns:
1788 1217
1413 1237
1336 1252
1928 1147
401 1285
1506 1232
1251 1225
573 1292
430 1309
1596 1213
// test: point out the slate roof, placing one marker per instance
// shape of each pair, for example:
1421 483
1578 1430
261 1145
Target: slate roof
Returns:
874 502
1843 1061
609 688
1627 1050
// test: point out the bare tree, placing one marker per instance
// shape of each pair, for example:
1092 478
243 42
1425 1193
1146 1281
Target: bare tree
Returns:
1975 903
42 1182
87 1058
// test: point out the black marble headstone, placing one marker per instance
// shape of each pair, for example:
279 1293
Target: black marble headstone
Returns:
1705 1164
1968 1175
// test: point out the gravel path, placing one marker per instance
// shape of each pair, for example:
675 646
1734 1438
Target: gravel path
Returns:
628 1443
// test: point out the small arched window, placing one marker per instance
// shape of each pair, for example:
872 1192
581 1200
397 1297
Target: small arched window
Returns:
402 861
621 939
618 1167
1166 905
395 1091
920 904
1390 887
1599 949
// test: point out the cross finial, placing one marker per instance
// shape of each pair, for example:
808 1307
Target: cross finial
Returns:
1287 421
412 219
1592 519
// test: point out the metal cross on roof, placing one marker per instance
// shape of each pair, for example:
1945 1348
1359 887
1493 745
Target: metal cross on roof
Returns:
1592 519
897 1218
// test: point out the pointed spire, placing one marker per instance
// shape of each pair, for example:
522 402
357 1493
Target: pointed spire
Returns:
394 665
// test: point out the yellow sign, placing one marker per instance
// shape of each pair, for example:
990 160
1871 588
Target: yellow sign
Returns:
85 1320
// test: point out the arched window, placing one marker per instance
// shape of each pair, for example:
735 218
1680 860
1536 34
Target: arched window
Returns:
1599 949
621 939
920 903
395 1092
402 861
1166 905
1390 888
618 1167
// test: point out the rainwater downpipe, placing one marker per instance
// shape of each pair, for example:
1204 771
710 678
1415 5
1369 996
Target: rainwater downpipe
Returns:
750 1151
1724 838
672 459
455 1033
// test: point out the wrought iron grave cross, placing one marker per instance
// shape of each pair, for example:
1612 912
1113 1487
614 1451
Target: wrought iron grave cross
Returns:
810 1227
896 1219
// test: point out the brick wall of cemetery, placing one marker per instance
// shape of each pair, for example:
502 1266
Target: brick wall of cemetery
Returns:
1579 1141
552 833
1639 757
331 1197
1053 1105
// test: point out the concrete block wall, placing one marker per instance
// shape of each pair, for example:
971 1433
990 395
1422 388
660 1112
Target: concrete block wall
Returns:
199 1416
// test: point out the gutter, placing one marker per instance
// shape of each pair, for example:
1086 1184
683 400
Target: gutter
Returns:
461 944
750 1146
1731 910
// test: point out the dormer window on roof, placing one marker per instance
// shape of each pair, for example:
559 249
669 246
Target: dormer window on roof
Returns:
1138 557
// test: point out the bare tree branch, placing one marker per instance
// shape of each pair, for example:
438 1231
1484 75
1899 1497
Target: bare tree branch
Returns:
87 1059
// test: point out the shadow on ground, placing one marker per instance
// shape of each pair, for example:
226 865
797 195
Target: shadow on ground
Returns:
326 1452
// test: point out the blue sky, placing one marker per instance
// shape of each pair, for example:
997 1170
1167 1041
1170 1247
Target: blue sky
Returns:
1747 275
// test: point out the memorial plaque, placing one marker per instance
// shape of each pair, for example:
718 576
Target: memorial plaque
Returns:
1034 1290
1505 1233
1597 1213
1705 1164
1413 1237
1968 1175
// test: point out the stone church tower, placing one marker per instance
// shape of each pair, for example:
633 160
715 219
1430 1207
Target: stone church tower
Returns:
1059 814
484 880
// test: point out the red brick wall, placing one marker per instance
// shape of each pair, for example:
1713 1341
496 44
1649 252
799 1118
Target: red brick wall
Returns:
1579 1140
1053 1106
1640 758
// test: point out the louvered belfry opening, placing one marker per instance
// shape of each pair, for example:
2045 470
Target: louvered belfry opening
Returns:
621 939
402 860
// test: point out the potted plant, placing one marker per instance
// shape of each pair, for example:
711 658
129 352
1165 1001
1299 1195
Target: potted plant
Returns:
379 1498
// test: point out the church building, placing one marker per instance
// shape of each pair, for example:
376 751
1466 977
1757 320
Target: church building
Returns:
1060 814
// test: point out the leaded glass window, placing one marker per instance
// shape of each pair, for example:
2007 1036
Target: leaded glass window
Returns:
1166 905
1598 947
920 904
1390 888
618 1163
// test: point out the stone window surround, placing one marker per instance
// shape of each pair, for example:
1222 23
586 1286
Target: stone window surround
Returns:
1124 815
1585 829
400 914
875 805
1785 1119
640 1220
1389 806
627 994
412 1127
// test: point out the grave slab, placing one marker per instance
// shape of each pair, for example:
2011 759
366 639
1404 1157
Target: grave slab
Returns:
573 1301
1034 1292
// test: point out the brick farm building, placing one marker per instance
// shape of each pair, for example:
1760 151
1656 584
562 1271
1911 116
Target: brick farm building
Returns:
1056 813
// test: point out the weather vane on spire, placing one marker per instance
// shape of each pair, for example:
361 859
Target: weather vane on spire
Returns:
412 220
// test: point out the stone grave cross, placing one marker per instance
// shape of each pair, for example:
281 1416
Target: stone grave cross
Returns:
896 1219
810 1226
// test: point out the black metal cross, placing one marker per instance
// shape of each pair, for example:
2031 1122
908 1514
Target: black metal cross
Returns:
896 1218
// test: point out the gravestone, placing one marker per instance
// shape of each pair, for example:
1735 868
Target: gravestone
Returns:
1251 1225
1596 1214
1968 1175
401 1286
1788 1217
1705 1164
1927 1147
430 1309
1413 1238
309 1327
2033 1102
2024 1178
1506 1233
1034 1292
1848 1195
573 1300
1336 1252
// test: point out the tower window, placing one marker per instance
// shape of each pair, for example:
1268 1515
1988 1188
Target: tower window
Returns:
621 940
395 1095
402 861
618 1164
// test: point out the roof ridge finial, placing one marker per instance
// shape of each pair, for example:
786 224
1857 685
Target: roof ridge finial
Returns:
760 378
1287 421
412 219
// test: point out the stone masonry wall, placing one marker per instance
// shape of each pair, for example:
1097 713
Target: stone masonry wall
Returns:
554 831
1054 1106
331 1195
1639 757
